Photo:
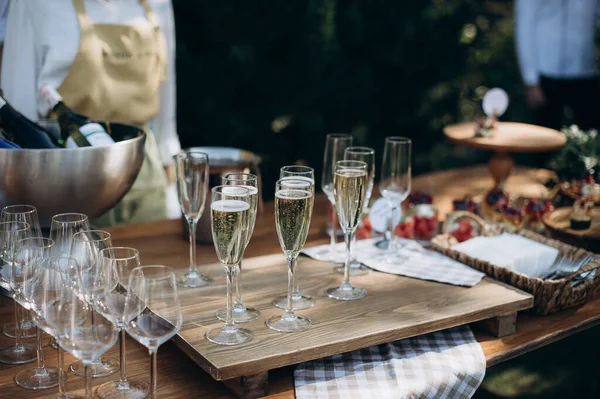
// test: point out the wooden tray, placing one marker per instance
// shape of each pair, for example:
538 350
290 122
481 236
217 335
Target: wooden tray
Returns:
558 223
395 308
508 137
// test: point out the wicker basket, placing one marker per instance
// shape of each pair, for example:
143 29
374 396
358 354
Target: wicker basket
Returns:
550 296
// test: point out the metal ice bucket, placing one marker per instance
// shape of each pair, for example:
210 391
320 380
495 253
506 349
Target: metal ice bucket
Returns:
89 180
223 160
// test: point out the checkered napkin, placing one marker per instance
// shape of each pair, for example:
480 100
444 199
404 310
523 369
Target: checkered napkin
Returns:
443 364
413 261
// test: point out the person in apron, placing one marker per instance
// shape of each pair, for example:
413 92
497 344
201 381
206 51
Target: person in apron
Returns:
116 75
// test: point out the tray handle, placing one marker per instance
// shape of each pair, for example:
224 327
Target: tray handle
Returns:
454 216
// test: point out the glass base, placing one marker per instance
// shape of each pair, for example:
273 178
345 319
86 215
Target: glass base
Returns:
38 378
117 390
241 314
24 353
229 335
193 280
27 330
102 367
383 244
289 323
299 302
346 293
356 269
66 395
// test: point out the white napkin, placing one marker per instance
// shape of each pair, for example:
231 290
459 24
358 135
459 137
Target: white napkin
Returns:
511 251
413 261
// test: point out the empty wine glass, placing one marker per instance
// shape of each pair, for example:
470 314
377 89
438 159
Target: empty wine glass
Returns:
191 169
85 249
29 255
350 191
242 313
10 234
366 155
80 330
27 214
117 264
62 229
293 211
230 215
152 310
395 184
299 300
43 299
335 145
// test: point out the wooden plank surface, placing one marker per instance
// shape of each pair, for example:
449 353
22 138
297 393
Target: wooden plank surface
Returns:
179 377
395 307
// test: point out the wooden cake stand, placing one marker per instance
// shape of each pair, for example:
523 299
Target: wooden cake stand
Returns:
508 137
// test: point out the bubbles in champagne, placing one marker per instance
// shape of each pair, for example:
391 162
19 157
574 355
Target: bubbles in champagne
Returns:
229 222
292 217
350 191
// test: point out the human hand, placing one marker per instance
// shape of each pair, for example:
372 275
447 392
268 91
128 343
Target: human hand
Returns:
535 97
170 172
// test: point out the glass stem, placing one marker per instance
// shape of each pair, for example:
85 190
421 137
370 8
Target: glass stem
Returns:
153 371
348 241
123 374
61 373
17 326
354 261
229 324
289 309
392 244
40 350
238 305
86 376
192 227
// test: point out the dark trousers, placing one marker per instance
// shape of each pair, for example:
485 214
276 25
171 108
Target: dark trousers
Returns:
582 96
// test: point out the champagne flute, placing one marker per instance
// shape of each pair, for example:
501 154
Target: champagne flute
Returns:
350 191
191 169
395 183
230 215
43 299
297 172
117 264
10 234
242 313
366 155
335 145
152 310
85 249
293 206
27 214
29 255
80 330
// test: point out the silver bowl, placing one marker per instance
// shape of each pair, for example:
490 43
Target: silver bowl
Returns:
88 180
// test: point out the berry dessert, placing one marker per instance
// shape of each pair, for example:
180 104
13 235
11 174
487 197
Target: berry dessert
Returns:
535 209
364 230
405 228
466 204
513 215
493 204
426 222
464 231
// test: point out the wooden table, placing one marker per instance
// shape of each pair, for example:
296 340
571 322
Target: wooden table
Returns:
179 377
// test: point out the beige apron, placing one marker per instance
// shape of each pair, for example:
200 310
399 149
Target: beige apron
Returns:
116 76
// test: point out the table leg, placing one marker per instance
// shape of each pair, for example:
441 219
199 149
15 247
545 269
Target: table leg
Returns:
249 386
501 166
501 326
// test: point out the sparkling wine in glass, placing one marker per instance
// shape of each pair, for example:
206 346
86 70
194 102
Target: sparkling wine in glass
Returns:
85 249
306 174
366 155
350 192
293 211
230 215
191 169
29 215
117 263
395 184
241 312
29 256
43 295
335 146
10 234
152 311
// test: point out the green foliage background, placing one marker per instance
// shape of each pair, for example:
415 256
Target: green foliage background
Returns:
370 67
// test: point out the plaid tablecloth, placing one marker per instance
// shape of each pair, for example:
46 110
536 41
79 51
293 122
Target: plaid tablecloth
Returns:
444 364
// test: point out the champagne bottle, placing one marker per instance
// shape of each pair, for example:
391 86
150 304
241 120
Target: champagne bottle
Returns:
76 130
21 131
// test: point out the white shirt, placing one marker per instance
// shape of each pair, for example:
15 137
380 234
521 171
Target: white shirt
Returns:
555 38
41 43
